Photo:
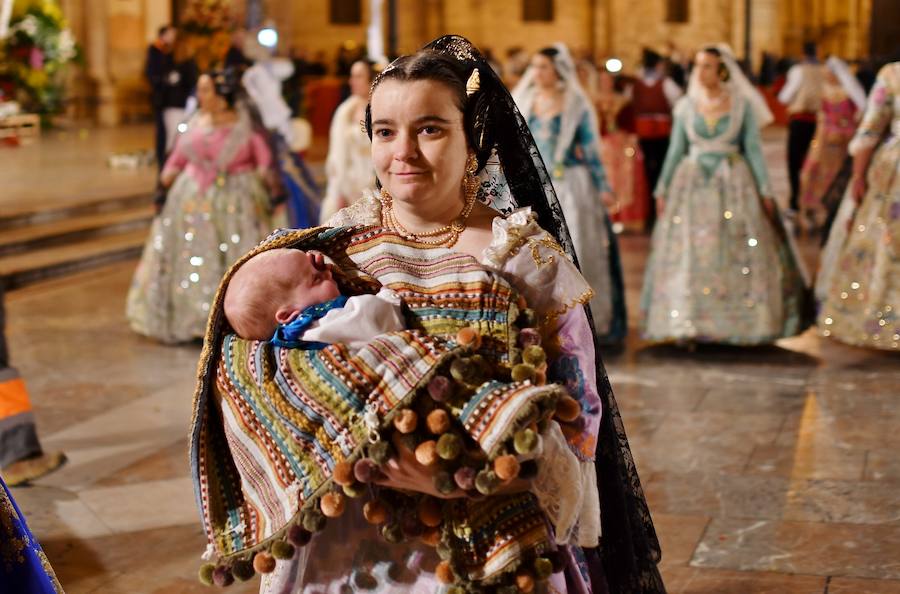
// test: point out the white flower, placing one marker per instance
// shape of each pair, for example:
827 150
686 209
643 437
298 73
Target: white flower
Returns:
66 45
29 25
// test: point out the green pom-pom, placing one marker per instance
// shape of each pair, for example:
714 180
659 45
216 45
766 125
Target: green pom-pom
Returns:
444 483
449 446
534 355
355 490
487 482
543 568
456 590
243 570
522 372
222 577
393 533
408 441
282 550
313 520
206 574
381 452
525 441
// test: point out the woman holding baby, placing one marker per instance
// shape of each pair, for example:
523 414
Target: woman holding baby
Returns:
458 172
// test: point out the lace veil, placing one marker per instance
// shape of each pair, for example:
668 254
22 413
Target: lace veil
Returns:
514 176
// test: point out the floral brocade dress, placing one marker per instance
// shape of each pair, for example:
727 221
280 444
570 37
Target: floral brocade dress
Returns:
578 179
23 565
351 557
216 211
860 272
719 270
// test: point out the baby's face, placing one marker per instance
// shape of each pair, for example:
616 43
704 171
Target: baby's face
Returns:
305 280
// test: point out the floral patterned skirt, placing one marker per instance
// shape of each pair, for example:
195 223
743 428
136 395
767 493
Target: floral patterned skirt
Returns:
192 244
860 272
23 565
719 270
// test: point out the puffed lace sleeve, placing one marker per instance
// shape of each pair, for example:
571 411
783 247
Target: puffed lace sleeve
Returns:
533 262
879 110
365 211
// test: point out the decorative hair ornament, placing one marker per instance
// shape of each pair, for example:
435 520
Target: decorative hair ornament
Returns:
474 83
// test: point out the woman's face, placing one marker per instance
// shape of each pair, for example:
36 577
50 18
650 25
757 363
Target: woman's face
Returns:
359 79
707 66
544 72
606 82
418 143
206 95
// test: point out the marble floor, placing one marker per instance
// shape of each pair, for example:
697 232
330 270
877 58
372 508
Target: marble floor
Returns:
768 470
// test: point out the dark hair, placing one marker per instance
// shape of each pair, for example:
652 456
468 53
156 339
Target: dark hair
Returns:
163 30
723 69
226 84
431 65
650 58
551 53
809 49
369 64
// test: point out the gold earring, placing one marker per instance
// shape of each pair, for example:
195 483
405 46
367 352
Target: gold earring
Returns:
471 164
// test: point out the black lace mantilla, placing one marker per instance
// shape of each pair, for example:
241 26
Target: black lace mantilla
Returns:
629 548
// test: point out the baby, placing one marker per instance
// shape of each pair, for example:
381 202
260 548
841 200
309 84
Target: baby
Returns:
291 298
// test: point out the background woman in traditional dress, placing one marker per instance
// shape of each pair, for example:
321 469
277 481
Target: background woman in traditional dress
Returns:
843 99
564 125
860 272
217 209
349 163
720 267
620 152
437 135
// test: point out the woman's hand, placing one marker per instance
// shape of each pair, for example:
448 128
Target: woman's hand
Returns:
609 201
404 472
660 205
768 204
167 177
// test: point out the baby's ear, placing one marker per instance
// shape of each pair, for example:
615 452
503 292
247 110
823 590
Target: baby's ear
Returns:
286 315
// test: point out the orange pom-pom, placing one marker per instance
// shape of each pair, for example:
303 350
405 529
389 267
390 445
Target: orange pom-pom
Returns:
406 421
567 409
264 563
570 432
375 512
469 337
430 512
426 453
343 473
332 504
431 536
438 421
506 467
444 573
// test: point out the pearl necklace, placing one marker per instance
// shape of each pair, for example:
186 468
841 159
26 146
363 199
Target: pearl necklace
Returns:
445 236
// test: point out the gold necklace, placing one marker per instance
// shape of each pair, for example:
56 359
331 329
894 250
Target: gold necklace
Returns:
445 236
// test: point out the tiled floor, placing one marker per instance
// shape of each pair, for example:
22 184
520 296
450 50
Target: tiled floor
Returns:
768 470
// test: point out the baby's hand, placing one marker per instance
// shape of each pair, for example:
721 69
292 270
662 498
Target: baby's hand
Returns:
318 259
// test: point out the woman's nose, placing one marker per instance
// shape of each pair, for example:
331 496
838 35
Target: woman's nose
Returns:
405 147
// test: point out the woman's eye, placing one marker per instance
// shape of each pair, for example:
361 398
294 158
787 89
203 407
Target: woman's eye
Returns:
430 130
383 132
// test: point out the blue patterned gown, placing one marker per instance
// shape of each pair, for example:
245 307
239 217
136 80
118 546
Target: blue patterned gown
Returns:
719 269
23 566
578 180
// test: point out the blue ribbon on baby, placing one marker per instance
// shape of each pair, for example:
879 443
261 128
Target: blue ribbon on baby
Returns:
288 335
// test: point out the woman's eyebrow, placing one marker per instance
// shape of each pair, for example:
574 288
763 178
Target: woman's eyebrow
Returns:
421 120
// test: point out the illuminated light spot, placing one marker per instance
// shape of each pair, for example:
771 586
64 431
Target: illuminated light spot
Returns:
888 308
674 313
861 228
205 306
614 65
745 270
829 321
196 261
223 247
629 152
706 290
184 284
881 322
194 277
188 236
676 219
752 242
896 337
235 238
826 333
854 285
728 214
182 127
844 295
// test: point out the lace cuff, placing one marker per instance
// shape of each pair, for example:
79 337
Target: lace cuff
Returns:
536 265
567 491
365 211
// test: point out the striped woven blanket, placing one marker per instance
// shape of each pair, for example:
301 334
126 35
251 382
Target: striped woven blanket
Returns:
271 424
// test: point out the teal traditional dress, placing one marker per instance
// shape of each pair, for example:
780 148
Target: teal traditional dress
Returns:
23 566
569 146
719 269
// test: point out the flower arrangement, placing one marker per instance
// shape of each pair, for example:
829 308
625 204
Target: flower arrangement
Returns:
34 56
206 17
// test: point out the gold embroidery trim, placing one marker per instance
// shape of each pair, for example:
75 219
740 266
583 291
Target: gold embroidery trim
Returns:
582 299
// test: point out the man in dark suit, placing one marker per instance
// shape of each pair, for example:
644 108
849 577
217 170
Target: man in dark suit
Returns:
160 63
